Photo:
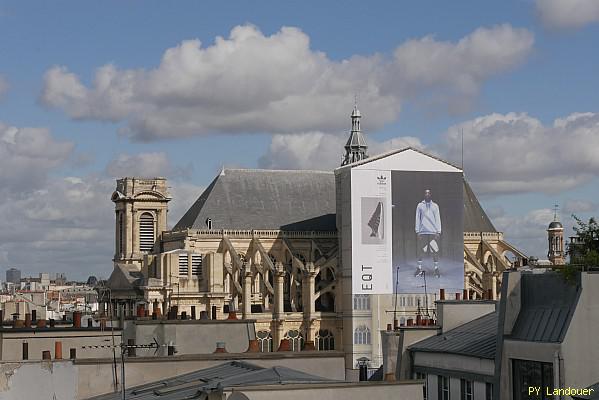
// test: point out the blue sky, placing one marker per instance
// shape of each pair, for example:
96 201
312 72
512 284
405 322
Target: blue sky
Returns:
93 91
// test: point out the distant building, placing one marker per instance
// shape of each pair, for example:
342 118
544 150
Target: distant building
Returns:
13 275
555 237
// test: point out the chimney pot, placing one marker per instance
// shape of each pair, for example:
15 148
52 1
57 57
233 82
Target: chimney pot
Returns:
441 294
220 347
285 345
58 350
457 296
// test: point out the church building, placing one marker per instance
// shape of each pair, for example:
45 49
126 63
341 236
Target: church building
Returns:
266 245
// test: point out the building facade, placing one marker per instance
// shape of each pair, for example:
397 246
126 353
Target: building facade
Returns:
266 245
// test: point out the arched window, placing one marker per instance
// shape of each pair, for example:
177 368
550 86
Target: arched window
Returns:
296 341
361 302
146 232
362 335
325 340
264 341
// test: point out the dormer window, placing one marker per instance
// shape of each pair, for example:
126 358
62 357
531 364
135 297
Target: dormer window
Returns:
209 223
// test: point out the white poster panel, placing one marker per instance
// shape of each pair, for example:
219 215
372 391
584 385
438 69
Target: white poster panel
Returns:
371 232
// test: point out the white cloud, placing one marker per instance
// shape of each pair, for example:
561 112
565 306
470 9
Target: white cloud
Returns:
4 86
66 224
568 13
250 82
320 151
529 231
144 165
515 153
26 156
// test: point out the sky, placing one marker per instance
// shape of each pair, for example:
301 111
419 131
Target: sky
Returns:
94 91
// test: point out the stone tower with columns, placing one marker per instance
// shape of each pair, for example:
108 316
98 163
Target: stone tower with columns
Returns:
141 207
555 236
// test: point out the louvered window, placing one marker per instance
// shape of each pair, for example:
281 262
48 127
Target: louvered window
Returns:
196 265
183 265
146 232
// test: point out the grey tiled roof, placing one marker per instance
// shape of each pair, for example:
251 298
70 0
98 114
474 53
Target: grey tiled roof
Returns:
476 338
287 200
266 199
548 303
233 373
475 218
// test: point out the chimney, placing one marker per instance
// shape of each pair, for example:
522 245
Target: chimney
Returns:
131 349
285 345
410 322
441 294
46 355
457 296
76 319
58 350
40 323
232 315
465 294
309 345
27 320
253 347
220 347
33 315
204 315
52 323
193 312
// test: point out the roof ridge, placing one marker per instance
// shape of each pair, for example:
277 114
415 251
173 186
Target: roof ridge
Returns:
278 170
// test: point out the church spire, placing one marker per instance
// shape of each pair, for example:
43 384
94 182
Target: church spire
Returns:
355 148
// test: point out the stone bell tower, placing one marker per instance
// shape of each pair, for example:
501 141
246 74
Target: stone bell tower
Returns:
555 236
141 207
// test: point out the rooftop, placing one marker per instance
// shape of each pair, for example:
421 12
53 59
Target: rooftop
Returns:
230 374
476 338
548 303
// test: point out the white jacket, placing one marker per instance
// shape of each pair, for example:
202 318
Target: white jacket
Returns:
428 220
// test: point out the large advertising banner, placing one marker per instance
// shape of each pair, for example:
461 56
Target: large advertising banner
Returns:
372 231
428 238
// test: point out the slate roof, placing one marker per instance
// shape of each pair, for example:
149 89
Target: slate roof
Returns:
194 384
265 199
477 338
475 218
548 302
286 200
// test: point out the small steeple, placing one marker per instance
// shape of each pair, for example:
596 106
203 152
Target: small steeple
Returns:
355 148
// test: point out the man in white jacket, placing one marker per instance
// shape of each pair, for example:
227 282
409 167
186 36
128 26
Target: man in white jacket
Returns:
428 231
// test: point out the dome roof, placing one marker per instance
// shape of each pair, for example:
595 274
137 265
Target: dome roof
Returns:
556 225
